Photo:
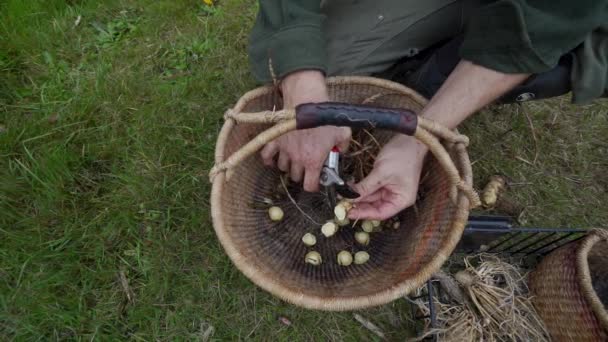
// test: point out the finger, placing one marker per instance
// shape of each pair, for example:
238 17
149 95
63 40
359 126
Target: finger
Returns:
343 145
344 141
386 210
268 153
311 179
380 210
376 196
283 162
363 211
296 172
369 184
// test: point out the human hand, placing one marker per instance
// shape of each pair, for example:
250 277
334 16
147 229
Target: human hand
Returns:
392 184
302 153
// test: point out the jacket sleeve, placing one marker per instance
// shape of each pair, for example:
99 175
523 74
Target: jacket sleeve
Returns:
520 36
288 34
590 67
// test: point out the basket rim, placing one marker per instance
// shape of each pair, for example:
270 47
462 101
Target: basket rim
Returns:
309 301
584 274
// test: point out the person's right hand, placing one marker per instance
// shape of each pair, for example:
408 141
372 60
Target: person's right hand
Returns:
302 153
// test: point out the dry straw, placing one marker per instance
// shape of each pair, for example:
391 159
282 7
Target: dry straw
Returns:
492 305
271 254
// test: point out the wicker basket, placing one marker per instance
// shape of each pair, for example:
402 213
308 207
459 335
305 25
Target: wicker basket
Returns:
271 254
570 288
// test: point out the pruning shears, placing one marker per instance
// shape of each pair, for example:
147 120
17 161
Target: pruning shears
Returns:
311 115
331 180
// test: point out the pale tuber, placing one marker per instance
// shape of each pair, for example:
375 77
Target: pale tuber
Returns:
275 213
362 238
367 226
490 193
345 258
309 239
361 257
329 229
340 212
313 258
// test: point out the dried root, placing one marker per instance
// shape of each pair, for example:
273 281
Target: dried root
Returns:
495 307
493 189
359 163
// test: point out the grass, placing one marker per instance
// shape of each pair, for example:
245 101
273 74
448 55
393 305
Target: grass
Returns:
108 117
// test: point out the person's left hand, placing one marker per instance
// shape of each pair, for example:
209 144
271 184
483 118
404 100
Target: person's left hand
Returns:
392 185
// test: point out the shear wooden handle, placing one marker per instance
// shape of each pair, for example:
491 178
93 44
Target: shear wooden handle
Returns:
311 115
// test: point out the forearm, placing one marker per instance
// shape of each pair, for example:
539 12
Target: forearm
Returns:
468 88
304 86
288 34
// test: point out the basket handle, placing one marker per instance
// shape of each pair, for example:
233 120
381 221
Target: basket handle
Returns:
311 115
340 114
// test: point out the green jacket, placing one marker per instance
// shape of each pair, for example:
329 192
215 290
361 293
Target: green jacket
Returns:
511 36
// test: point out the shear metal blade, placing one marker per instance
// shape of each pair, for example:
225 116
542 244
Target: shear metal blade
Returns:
331 196
346 191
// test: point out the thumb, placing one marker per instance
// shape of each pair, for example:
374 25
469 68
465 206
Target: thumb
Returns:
369 185
343 140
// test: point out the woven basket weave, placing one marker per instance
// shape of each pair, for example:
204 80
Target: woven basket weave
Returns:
569 286
271 254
